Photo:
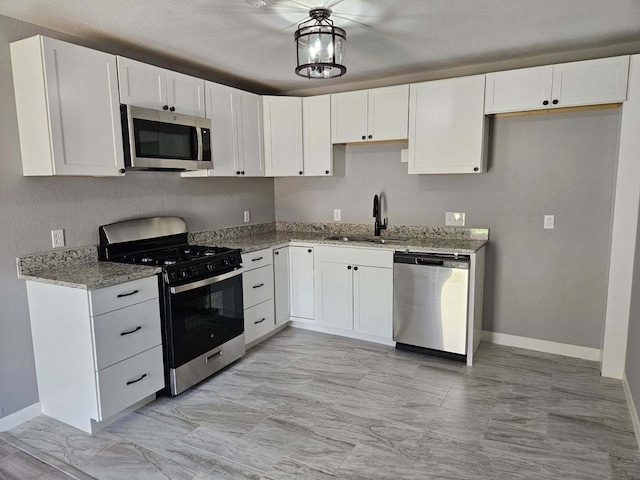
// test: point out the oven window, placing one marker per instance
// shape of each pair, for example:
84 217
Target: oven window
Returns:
204 318
165 140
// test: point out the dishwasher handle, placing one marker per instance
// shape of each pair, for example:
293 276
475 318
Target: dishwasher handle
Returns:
429 261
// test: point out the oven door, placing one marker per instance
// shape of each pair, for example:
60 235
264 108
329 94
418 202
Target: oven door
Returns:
202 316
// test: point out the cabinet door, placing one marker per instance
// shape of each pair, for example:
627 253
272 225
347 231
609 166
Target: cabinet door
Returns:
142 84
282 117
302 291
447 126
388 113
281 284
316 135
185 94
83 107
334 295
373 301
250 145
519 90
349 116
590 82
221 104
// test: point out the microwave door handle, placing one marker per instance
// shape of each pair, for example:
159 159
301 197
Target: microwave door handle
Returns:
199 137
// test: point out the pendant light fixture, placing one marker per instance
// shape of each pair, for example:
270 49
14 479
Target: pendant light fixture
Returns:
321 47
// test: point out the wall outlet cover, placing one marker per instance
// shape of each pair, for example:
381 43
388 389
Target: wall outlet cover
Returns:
454 219
57 238
337 214
247 216
549 222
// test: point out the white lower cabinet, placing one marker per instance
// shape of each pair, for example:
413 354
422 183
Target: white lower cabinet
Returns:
282 295
97 353
257 294
354 290
302 290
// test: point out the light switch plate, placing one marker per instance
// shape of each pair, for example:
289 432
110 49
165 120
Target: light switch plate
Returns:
549 222
337 214
454 219
247 216
57 238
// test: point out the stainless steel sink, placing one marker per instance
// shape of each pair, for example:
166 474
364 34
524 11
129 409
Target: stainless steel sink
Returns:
359 238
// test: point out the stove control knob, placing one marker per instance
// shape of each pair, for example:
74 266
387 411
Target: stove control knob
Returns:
193 271
182 273
225 262
233 260
210 267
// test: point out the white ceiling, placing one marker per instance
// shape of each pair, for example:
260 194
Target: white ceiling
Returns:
384 38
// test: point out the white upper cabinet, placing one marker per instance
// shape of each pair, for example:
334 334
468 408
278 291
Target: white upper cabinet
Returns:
370 115
447 126
282 121
68 109
236 133
590 82
316 135
153 87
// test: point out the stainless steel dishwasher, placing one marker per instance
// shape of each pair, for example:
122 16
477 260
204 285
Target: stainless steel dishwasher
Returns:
430 300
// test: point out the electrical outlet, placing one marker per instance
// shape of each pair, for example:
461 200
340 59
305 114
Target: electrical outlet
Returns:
549 222
454 219
57 238
337 214
247 216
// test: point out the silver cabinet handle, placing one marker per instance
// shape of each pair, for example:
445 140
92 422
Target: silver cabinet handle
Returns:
260 321
259 285
257 259
131 382
214 356
131 331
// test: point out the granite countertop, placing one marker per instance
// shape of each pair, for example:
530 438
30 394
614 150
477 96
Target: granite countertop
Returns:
90 276
250 243
79 268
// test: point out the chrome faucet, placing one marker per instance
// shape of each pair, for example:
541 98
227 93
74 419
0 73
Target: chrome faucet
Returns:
378 226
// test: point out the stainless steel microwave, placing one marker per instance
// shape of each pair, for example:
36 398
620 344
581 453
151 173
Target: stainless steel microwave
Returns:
159 140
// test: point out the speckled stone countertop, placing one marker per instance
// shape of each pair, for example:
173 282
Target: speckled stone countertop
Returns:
419 239
79 268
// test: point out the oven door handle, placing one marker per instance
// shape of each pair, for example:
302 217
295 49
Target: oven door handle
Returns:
203 283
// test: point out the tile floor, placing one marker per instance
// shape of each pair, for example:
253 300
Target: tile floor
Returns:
310 406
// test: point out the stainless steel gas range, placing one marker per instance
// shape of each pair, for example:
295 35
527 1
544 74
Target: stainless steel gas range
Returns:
200 295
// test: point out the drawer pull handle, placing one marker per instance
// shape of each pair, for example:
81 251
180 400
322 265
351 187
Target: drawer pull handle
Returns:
130 382
257 259
214 356
259 285
260 321
120 295
131 331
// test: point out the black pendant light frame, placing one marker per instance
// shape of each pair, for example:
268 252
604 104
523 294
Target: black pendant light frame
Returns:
320 17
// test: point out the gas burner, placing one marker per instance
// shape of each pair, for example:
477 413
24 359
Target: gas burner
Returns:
147 260
210 252
169 261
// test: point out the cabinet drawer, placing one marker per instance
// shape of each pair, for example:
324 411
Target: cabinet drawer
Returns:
257 259
125 383
126 332
122 295
257 286
355 256
258 321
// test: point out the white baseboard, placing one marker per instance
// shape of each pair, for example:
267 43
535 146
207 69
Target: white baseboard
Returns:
306 325
566 349
632 407
19 417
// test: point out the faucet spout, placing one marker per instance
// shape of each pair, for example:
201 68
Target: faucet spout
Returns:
378 226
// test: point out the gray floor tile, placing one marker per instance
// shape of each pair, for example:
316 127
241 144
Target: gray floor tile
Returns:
310 406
